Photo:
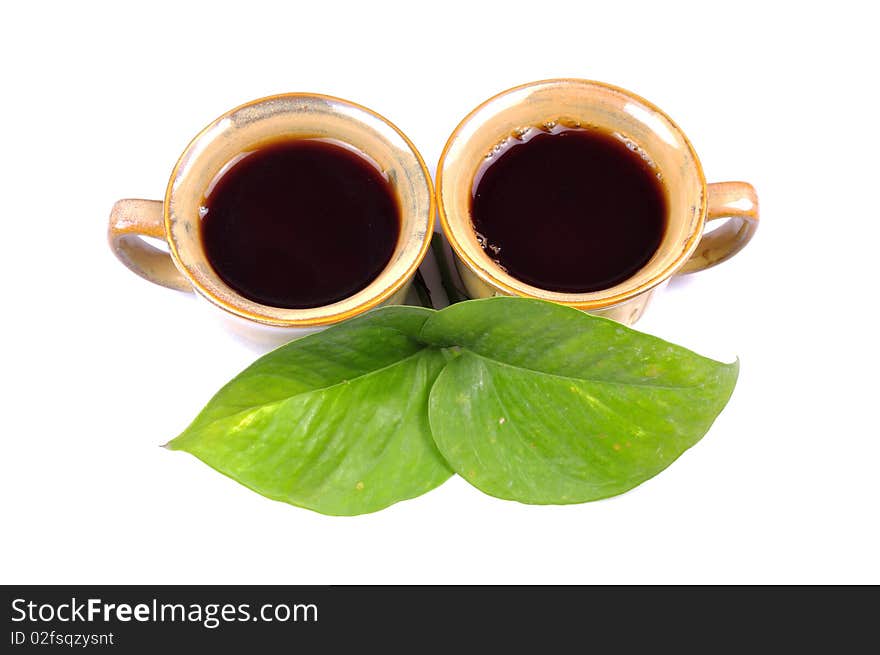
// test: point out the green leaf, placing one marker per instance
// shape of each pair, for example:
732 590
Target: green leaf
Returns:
546 404
335 422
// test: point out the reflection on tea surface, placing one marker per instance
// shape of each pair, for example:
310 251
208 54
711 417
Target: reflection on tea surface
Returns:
300 223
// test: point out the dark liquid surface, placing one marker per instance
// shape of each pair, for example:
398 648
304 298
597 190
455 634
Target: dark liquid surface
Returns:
573 211
300 223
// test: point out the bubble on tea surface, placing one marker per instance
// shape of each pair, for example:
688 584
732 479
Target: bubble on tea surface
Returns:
637 149
497 148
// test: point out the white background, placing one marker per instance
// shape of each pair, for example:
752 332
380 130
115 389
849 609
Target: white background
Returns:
99 367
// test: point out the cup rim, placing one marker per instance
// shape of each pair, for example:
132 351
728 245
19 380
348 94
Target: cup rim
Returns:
498 279
324 319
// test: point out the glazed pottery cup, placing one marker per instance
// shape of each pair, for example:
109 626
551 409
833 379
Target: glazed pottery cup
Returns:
176 220
573 103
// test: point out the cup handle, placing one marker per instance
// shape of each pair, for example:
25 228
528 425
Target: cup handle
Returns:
737 202
129 221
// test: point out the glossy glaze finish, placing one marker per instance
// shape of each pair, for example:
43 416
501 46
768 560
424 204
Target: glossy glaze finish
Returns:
737 202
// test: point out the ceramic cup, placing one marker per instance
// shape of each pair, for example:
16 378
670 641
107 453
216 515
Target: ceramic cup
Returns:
550 104
176 220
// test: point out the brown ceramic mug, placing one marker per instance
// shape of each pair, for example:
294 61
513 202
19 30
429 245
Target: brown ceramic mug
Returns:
691 202
176 219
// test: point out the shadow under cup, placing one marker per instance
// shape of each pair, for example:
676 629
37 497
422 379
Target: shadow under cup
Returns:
572 104
293 116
